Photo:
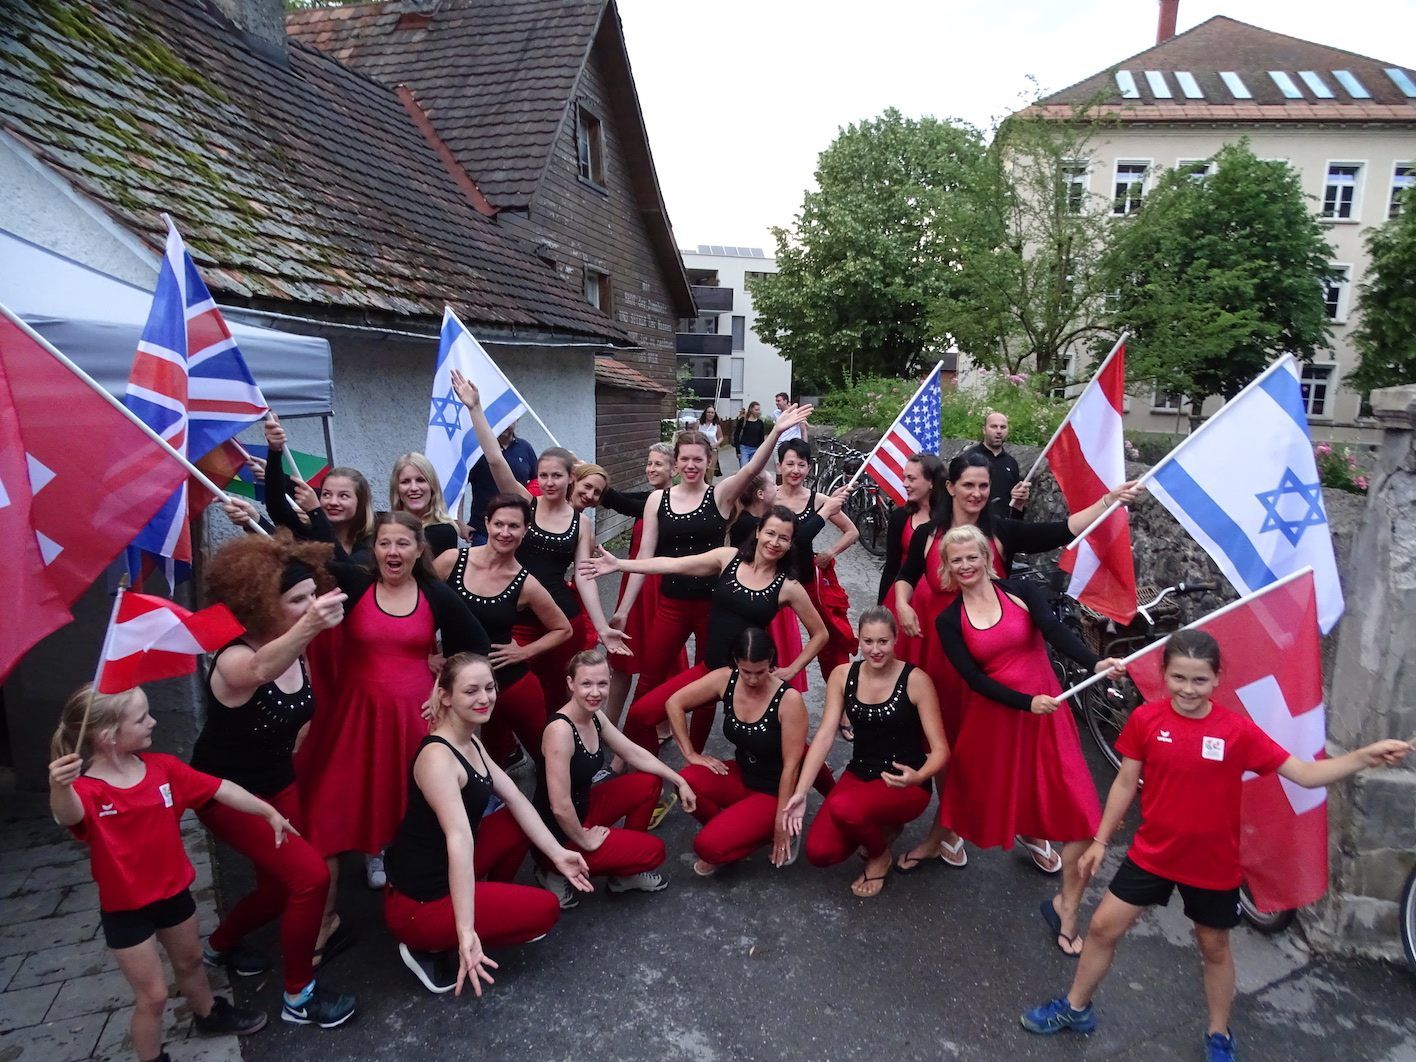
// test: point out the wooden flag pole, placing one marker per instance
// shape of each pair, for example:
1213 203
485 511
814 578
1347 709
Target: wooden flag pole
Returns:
918 391
102 656
1043 452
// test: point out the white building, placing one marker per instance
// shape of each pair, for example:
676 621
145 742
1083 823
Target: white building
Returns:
720 350
1345 122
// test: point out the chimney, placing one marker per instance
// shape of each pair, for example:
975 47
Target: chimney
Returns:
1169 11
262 26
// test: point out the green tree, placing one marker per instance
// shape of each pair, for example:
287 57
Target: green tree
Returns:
1386 337
1220 271
872 250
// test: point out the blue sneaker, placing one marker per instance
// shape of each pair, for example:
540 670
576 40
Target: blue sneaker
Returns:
240 960
1219 1047
1056 1015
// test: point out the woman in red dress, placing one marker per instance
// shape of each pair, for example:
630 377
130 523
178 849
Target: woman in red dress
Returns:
923 480
1018 768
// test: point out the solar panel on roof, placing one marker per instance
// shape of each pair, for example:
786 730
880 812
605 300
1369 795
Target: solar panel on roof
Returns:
1235 84
1189 85
1286 84
1402 80
1355 88
1159 89
1316 85
1126 82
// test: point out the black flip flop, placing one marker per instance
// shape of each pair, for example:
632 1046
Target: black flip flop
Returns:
1054 922
338 942
884 880
919 861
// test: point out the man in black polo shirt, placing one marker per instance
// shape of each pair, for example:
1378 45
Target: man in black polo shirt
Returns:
1008 495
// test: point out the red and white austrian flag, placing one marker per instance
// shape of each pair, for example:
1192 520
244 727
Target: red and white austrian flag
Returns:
151 638
1273 672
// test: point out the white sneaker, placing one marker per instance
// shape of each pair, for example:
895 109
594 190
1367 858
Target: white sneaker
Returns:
560 887
648 881
374 872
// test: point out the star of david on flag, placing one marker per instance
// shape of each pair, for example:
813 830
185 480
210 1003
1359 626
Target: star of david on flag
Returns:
1306 509
915 431
452 445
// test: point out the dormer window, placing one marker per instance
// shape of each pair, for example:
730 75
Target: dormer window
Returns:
589 147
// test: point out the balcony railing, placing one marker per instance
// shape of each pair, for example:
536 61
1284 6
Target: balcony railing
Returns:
709 387
703 343
712 299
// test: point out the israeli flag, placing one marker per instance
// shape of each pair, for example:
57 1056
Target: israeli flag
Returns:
1246 486
452 445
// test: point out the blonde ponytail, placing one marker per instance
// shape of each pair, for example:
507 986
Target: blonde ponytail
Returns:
105 713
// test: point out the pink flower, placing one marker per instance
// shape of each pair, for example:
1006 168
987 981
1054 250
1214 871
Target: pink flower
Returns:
1351 461
1322 449
1361 482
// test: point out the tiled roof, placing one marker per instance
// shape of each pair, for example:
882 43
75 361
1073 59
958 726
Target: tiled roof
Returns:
615 373
307 187
1225 70
495 76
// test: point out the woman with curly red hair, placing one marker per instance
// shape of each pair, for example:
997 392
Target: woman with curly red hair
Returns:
258 704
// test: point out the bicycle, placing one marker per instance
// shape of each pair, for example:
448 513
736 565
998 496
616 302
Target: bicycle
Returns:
1406 915
866 506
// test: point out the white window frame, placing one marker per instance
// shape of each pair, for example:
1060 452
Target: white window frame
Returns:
1163 402
737 375
1180 164
1344 293
596 289
1393 209
1355 215
1075 174
1144 182
589 146
1329 385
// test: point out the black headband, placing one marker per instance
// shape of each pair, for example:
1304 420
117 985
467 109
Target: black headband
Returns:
295 573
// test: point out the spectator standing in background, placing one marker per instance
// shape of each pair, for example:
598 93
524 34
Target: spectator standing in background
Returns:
521 456
799 431
1008 495
712 428
749 433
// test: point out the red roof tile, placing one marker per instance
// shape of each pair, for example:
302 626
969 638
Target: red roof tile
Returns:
614 373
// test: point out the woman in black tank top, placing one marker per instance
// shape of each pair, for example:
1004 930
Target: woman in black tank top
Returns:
765 721
752 585
899 746
496 588
450 864
583 813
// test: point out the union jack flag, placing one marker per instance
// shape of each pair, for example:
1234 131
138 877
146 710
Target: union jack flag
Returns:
915 431
190 384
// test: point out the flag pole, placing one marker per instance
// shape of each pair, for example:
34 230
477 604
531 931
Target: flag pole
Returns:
98 389
918 391
1222 610
1149 473
102 656
1104 363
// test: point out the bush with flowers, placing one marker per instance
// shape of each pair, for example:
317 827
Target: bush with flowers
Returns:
1339 468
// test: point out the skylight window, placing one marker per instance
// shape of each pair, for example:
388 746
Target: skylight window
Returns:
1235 84
1159 89
1189 85
1355 88
1126 82
1402 80
1316 85
1286 84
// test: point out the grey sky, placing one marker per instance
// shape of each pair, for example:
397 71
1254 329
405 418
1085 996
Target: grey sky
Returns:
741 95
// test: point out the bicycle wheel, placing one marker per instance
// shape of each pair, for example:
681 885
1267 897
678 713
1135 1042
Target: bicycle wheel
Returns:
1406 914
1266 922
872 524
1107 706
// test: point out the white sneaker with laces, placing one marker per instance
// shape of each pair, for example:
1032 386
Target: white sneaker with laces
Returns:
560 887
648 881
374 872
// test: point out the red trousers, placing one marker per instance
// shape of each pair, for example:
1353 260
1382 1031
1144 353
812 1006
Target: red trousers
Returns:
648 711
549 667
292 882
520 715
502 915
666 633
860 814
838 650
626 851
736 820
500 848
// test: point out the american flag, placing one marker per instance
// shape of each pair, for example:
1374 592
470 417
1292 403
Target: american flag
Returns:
190 384
915 431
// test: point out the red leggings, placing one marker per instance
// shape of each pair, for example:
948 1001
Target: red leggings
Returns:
736 820
648 711
860 814
292 883
549 667
500 848
837 650
665 635
502 915
631 850
520 715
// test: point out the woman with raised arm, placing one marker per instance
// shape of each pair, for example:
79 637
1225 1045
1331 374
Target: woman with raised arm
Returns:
921 595
450 864
748 586
344 501
556 538
582 816
497 588
259 701
1018 769
899 745
689 518
414 487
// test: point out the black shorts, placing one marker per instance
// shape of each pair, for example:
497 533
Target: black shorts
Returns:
1212 908
128 929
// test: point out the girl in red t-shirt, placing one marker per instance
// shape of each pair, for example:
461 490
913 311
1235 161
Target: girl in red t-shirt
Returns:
1194 755
127 807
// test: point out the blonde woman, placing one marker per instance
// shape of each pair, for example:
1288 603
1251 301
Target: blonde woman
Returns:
414 487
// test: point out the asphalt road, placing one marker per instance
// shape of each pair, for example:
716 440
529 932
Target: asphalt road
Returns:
758 963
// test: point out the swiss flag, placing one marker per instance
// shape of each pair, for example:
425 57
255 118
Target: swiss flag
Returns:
1088 458
151 638
1272 671
95 477
33 607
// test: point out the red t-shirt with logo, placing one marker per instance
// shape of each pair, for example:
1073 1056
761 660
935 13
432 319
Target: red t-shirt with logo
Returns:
1194 775
133 834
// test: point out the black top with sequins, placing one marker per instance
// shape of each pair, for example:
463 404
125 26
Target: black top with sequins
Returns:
886 733
807 526
497 614
685 535
736 608
416 861
584 765
252 745
548 557
759 744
